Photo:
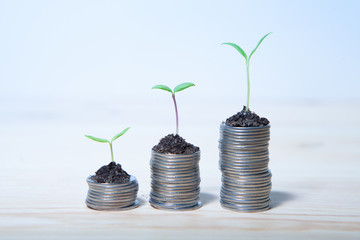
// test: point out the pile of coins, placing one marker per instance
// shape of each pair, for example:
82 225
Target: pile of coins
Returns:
244 158
175 180
112 196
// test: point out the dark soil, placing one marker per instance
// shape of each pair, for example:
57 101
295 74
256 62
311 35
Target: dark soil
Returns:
111 173
174 144
246 119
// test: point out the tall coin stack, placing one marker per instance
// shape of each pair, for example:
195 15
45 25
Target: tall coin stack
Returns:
244 158
175 181
112 196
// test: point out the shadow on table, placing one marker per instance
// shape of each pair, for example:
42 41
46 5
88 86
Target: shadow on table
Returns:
278 198
141 201
207 198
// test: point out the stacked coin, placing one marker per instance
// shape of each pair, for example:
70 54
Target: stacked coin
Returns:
244 158
175 180
112 196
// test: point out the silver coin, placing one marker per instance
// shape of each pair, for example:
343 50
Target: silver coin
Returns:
132 191
259 164
242 199
172 188
174 196
173 199
194 192
172 180
173 207
244 140
168 204
241 171
170 174
114 191
110 204
243 195
247 184
174 168
237 208
245 148
245 135
112 196
101 207
181 182
195 172
105 188
244 158
176 185
246 154
102 198
247 160
259 155
174 162
176 177
245 199
111 199
238 175
236 189
247 205
175 180
183 191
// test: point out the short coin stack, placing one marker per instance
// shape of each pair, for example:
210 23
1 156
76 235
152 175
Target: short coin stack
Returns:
244 158
112 196
175 180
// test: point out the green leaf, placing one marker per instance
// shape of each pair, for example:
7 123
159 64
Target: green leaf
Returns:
183 86
120 134
162 87
262 39
242 52
97 139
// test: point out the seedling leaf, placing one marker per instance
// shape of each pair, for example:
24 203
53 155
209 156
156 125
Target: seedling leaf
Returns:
183 86
162 87
120 134
97 139
262 39
239 49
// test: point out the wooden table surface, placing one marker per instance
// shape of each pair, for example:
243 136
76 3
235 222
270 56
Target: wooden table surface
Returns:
315 162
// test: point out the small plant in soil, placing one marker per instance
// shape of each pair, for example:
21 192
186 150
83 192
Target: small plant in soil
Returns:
246 118
111 173
173 143
178 88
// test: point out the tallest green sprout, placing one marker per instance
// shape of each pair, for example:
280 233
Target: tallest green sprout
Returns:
247 59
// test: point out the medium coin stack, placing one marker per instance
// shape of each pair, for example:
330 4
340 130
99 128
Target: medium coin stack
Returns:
112 196
175 180
244 158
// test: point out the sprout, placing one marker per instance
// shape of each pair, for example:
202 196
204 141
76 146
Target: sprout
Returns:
242 52
102 140
178 88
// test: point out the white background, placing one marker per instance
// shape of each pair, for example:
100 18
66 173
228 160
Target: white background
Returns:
69 68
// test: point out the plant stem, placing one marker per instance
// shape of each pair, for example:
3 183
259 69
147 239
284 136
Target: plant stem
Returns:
248 85
176 112
111 150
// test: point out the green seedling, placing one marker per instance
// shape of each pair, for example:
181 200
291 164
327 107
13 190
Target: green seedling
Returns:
178 88
102 140
247 59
